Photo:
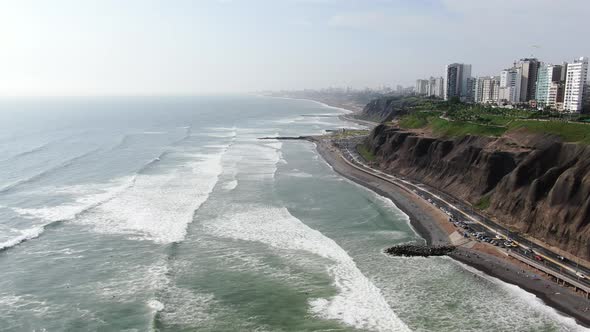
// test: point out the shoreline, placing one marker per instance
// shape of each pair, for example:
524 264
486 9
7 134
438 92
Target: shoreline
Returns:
344 107
432 225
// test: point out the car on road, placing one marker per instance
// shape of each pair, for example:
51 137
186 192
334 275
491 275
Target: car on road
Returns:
538 258
581 275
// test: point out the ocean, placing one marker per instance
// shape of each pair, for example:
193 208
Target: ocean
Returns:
168 214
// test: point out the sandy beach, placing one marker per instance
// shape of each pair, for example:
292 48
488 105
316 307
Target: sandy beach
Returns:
432 224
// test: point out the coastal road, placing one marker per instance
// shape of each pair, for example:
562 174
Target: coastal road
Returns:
476 221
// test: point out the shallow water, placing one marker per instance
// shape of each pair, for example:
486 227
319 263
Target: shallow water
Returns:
168 214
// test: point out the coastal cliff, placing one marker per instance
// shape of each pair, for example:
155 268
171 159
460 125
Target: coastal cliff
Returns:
387 108
532 183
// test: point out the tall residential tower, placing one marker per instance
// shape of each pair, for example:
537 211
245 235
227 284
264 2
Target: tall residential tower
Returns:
422 87
549 90
510 85
575 82
457 75
528 71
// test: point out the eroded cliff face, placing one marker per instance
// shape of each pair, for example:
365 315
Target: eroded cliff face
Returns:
384 109
535 184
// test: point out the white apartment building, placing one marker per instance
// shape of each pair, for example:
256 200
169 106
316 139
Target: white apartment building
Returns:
487 89
422 87
510 84
577 74
439 87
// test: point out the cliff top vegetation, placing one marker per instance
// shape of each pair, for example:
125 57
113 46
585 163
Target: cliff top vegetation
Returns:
456 119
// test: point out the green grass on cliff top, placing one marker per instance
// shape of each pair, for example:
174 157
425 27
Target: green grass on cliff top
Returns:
568 131
493 123
415 120
461 128
448 128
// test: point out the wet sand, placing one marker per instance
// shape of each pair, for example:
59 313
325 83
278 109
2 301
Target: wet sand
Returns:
432 224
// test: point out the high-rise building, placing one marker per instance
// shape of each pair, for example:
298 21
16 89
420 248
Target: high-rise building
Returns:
575 82
586 101
510 85
421 87
549 89
470 91
431 86
457 75
487 89
439 87
528 70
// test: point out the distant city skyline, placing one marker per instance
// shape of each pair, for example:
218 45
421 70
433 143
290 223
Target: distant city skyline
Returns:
142 47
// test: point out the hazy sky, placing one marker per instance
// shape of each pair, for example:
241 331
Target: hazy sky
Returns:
98 47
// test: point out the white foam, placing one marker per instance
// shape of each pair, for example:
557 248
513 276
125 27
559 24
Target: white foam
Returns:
299 174
254 160
359 303
530 299
155 305
23 302
222 128
290 120
222 134
85 197
185 307
155 207
131 280
274 145
159 207
26 234
387 202
230 185
312 120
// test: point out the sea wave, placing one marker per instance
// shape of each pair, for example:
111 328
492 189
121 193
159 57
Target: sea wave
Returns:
158 207
230 185
187 135
127 206
359 303
87 197
25 235
31 151
530 299
46 172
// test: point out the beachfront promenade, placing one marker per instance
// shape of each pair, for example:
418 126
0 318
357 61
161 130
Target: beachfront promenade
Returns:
550 263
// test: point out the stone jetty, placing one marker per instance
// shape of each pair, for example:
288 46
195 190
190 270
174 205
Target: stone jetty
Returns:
286 138
419 250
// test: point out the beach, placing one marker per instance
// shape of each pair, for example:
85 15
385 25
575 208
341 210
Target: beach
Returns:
432 224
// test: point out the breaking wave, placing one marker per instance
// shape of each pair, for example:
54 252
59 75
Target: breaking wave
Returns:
359 303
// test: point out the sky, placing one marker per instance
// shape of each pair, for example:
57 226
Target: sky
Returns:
180 47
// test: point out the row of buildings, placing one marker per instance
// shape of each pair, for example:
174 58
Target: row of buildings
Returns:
562 87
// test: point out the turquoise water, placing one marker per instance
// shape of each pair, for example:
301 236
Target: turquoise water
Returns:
139 214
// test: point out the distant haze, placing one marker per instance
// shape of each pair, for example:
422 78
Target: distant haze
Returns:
136 47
